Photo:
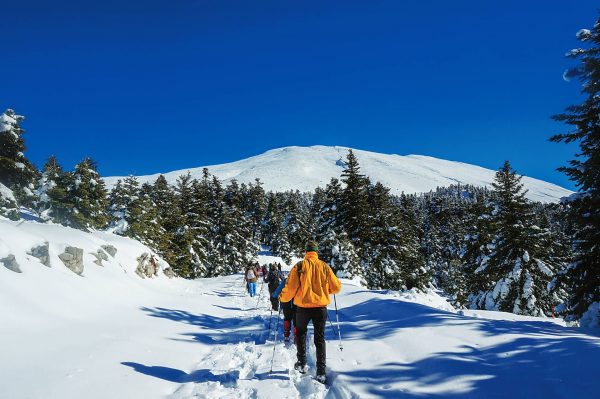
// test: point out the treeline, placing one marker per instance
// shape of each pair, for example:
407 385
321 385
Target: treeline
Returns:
488 249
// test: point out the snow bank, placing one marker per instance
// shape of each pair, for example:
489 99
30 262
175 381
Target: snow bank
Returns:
19 238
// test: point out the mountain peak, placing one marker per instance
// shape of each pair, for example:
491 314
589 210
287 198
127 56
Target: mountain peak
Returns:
305 168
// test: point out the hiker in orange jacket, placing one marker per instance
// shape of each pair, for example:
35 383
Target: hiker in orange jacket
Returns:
310 283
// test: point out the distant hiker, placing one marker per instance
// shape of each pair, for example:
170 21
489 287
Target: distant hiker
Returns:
273 279
309 284
250 276
264 271
289 313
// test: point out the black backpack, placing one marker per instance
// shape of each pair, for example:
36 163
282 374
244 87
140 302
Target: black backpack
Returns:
273 279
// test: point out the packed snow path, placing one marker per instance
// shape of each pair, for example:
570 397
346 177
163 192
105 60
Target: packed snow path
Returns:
133 338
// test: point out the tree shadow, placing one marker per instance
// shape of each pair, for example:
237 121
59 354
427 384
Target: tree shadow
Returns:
526 367
174 375
534 359
215 330
382 317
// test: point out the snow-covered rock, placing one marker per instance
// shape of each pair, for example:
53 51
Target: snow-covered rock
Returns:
73 259
305 168
11 263
42 252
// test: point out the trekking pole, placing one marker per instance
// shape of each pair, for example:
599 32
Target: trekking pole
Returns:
338 322
259 293
331 323
270 320
276 331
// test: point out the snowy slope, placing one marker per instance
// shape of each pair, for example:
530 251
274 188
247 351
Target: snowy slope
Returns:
305 168
111 334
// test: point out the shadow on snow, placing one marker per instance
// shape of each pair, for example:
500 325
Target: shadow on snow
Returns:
532 360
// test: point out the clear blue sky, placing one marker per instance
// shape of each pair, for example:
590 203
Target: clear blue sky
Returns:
150 86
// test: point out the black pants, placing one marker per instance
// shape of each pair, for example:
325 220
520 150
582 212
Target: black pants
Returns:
319 319
274 301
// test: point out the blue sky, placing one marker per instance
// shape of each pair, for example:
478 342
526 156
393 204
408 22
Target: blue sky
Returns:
151 86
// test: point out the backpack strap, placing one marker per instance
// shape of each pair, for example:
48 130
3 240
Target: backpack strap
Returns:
299 268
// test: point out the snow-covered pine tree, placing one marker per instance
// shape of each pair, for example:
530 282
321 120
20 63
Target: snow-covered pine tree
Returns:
256 206
478 248
87 192
520 266
411 260
335 247
183 234
353 205
217 265
120 201
295 222
51 193
8 204
274 229
584 119
240 247
169 218
16 172
383 262
199 222
144 223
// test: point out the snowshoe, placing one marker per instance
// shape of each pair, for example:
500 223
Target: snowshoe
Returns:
301 368
322 378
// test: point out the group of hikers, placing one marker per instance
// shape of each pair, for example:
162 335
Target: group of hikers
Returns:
303 296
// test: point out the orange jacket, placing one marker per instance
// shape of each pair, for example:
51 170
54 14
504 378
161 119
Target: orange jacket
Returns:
312 286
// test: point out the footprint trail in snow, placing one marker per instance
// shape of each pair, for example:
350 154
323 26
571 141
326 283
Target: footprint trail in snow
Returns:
242 369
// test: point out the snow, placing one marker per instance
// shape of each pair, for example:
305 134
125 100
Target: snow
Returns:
591 318
111 334
305 168
583 34
6 122
6 193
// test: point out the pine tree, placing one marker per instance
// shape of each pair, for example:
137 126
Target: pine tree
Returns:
334 245
120 201
240 247
51 193
87 192
220 226
274 232
354 198
200 225
169 219
584 274
183 233
416 274
520 267
478 248
8 204
256 207
144 221
16 172
295 223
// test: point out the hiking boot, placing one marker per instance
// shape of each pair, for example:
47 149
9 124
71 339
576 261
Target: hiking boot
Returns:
300 367
286 339
322 378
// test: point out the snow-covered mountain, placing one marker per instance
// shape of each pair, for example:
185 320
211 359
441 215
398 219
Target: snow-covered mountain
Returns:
305 168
